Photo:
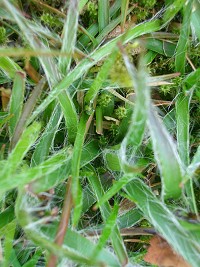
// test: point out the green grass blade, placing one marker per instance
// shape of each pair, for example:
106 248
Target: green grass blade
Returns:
172 10
9 67
117 186
161 47
75 165
103 13
107 230
18 153
195 161
116 239
28 108
69 36
195 19
164 221
43 146
6 216
192 80
137 126
70 115
81 4
124 8
166 156
16 101
37 172
182 118
8 243
34 260
181 50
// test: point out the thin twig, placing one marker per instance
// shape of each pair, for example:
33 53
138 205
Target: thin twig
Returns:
64 221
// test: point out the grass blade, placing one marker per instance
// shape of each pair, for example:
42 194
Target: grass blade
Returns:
9 67
124 8
116 238
182 118
16 156
44 169
16 101
43 146
164 221
69 36
195 21
180 58
103 14
172 10
137 126
167 157
28 108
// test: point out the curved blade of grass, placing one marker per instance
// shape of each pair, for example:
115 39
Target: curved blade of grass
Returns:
137 126
6 216
75 166
182 118
117 186
192 80
69 36
34 260
181 50
9 67
18 153
107 230
103 14
8 242
42 148
16 101
116 238
195 19
96 56
194 164
70 115
164 221
81 4
28 108
161 47
166 156
172 10
45 168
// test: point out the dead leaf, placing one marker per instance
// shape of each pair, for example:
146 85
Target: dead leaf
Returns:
5 97
161 254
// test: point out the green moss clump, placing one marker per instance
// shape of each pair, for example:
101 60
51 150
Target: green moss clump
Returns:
104 99
3 36
51 21
121 112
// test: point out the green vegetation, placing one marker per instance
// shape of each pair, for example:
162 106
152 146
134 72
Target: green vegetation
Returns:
99 131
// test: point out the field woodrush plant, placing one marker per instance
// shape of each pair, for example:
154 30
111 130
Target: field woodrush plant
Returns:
99 138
